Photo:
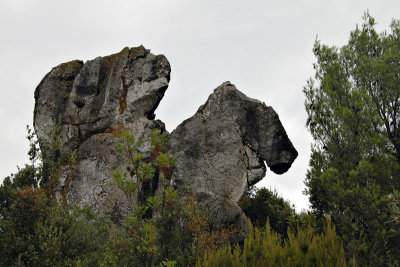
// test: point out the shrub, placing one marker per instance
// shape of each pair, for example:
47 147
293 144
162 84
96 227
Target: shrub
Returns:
264 248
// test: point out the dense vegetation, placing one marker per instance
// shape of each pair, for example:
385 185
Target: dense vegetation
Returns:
165 229
353 106
264 247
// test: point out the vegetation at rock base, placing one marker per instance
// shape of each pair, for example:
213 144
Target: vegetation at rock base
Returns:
168 228
353 106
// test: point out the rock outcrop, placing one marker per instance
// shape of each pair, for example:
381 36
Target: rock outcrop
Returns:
220 151
92 103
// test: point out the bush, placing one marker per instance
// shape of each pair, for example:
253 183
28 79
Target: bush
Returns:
264 248
261 204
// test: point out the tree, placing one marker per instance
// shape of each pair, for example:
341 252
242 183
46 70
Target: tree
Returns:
263 204
353 107
395 213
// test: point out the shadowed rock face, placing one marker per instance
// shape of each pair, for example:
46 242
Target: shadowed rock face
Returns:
220 151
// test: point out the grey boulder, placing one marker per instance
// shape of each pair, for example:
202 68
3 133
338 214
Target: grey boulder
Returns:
220 151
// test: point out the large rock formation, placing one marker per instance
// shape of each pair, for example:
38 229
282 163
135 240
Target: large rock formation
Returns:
220 151
93 102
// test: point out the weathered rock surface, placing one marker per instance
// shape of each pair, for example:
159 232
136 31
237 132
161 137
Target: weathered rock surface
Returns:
93 102
99 95
221 150
90 182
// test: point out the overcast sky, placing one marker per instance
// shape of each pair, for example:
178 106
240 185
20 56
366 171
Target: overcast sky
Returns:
263 47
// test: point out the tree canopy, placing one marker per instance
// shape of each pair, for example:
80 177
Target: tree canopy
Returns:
353 107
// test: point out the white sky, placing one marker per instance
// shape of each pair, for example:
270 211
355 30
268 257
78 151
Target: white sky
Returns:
263 47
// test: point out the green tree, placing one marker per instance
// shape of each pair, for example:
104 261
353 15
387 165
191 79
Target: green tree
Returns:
353 107
394 223
36 231
263 204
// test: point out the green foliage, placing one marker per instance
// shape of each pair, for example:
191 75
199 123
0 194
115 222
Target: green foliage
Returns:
353 114
35 231
166 228
135 181
263 204
394 222
139 175
264 248
394 206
